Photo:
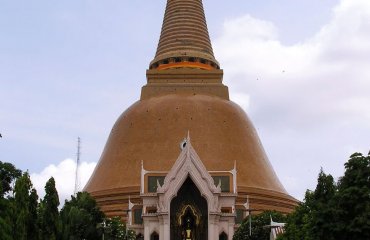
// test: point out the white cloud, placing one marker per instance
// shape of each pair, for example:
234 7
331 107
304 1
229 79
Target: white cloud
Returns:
64 175
311 100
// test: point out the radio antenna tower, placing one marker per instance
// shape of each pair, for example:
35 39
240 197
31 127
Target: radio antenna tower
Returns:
77 165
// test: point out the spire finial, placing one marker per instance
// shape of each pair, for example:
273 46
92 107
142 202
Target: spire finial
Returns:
184 40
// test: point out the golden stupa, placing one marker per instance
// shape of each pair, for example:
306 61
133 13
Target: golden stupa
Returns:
184 92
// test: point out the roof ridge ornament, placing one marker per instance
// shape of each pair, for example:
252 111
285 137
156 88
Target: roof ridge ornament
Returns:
183 144
185 141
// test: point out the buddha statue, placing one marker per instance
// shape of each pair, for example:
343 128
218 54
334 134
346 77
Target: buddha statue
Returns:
188 230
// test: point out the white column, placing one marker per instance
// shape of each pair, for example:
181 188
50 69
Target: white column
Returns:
166 225
230 234
161 227
146 230
213 221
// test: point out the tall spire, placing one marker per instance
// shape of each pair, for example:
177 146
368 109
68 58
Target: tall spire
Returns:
184 40
184 63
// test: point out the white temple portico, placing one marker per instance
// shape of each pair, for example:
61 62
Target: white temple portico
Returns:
214 218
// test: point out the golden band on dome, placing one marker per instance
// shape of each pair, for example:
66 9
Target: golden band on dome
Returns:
185 65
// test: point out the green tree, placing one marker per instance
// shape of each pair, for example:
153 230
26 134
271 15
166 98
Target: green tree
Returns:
314 217
22 191
50 213
259 229
131 235
323 208
8 174
115 229
32 227
298 223
40 219
5 219
353 199
80 217
335 212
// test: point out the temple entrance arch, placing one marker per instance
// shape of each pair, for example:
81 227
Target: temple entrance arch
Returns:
223 236
154 236
189 214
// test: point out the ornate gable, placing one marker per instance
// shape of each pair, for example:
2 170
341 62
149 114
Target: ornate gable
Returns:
187 165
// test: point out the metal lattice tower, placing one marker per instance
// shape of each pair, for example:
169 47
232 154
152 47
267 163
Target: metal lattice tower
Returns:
77 182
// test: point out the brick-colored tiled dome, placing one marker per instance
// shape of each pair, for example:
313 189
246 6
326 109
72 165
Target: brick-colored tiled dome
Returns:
151 131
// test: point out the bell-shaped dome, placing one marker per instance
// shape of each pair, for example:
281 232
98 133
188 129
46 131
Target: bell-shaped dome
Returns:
151 130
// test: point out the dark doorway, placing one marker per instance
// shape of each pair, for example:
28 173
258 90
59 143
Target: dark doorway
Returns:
189 214
154 236
223 236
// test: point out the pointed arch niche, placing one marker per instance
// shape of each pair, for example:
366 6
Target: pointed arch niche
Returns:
154 236
189 213
223 236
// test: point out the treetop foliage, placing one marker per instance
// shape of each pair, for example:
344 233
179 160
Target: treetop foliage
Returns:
335 210
8 173
49 211
80 217
23 216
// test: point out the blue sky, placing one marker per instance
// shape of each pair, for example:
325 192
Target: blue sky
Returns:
70 68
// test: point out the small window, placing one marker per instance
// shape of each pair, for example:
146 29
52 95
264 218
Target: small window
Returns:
151 210
225 182
226 210
152 183
138 219
239 216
